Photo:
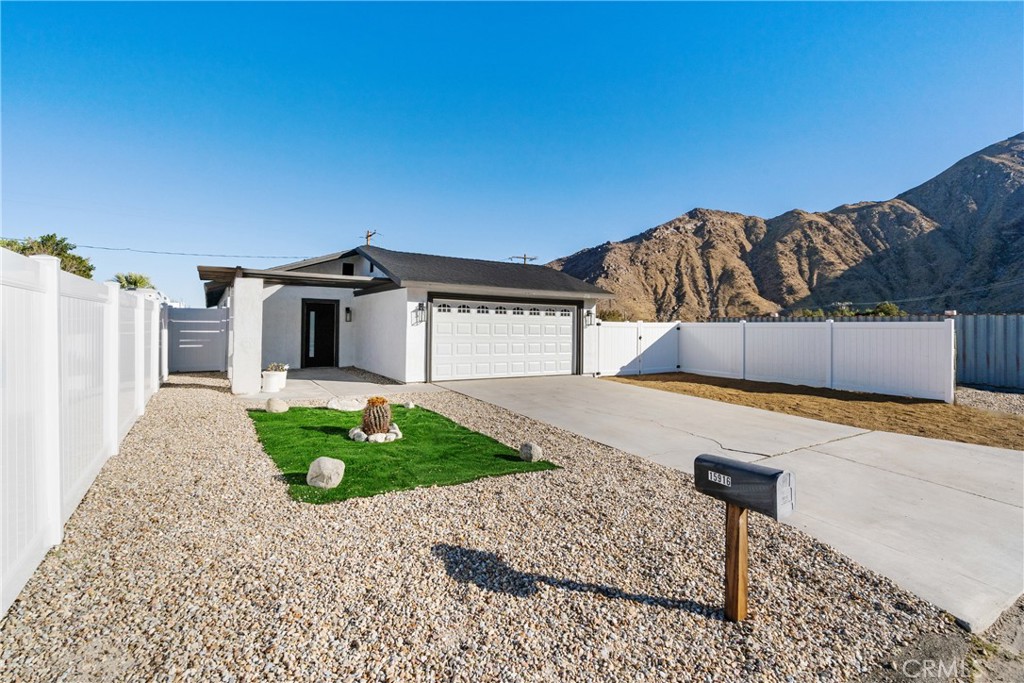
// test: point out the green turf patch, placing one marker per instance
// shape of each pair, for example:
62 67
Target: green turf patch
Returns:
434 451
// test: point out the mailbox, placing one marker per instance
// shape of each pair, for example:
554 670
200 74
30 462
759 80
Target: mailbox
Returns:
746 485
743 486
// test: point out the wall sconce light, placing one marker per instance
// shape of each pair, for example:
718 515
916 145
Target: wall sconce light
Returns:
348 314
588 318
419 314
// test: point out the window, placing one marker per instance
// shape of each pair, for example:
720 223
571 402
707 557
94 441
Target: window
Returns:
517 311
549 311
565 313
348 268
483 310
444 308
500 310
463 308
371 267
534 311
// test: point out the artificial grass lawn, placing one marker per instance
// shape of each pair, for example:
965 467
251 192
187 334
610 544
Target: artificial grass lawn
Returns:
434 451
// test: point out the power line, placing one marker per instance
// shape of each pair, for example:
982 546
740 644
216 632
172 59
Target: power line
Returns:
170 253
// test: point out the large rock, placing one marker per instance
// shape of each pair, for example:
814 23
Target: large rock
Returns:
346 404
276 405
325 473
409 404
377 438
395 430
357 434
531 452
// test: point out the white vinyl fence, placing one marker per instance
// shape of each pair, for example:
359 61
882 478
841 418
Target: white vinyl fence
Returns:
78 361
902 359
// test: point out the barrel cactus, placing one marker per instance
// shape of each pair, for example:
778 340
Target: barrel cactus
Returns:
377 416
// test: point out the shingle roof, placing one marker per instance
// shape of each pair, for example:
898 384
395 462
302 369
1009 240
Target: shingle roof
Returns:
404 268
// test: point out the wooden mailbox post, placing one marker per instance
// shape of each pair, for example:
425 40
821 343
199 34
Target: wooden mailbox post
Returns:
743 486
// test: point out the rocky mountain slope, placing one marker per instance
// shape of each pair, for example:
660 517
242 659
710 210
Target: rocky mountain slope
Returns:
957 241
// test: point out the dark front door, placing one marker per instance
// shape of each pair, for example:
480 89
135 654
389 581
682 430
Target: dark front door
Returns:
319 333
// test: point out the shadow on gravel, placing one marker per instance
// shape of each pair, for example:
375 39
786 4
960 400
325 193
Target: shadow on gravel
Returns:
489 572
194 385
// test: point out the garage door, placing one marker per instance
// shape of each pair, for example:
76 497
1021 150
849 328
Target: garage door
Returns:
477 339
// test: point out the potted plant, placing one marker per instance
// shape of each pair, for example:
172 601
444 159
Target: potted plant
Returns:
275 377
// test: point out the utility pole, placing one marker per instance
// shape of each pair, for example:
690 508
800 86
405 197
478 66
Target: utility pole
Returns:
525 259
369 235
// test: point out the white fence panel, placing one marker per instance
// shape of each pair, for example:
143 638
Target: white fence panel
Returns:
71 378
150 341
126 412
197 339
659 348
713 350
619 349
791 353
24 541
83 449
909 359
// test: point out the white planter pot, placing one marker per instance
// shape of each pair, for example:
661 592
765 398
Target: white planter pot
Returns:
274 381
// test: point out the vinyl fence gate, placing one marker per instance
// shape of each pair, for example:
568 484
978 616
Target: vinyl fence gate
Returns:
197 339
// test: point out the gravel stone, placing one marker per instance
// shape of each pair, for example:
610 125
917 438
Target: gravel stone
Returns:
276 405
325 473
531 452
187 560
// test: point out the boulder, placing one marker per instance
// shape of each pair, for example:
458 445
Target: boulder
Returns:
409 404
325 473
346 404
395 430
531 452
359 435
377 438
389 437
276 405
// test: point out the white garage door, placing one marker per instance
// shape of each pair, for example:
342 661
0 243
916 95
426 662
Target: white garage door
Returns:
476 339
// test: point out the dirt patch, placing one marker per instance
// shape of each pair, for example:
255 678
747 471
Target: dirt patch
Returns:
917 417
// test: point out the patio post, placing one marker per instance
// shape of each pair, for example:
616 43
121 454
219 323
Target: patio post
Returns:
247 337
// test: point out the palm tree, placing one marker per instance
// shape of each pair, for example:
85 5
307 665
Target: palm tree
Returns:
134 281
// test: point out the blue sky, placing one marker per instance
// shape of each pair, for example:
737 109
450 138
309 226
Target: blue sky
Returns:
478 130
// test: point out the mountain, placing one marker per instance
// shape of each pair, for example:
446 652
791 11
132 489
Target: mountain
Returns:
957 241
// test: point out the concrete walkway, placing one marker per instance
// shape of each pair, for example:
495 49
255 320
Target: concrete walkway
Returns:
315 384
942 519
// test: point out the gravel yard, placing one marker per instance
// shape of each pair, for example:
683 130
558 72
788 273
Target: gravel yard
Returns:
188 560
991 398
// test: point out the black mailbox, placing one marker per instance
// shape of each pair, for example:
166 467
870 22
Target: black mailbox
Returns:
746 485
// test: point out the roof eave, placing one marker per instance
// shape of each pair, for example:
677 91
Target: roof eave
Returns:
223 274
485 290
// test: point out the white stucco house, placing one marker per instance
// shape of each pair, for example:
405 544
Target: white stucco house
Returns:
410 317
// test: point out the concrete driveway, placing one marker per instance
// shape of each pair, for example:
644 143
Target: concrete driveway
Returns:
942 519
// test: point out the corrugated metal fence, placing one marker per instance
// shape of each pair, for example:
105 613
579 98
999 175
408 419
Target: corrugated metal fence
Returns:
78 361
989 347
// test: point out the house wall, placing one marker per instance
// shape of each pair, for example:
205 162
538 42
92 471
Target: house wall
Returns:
282 323
381 327
416 340
362 267
591 360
